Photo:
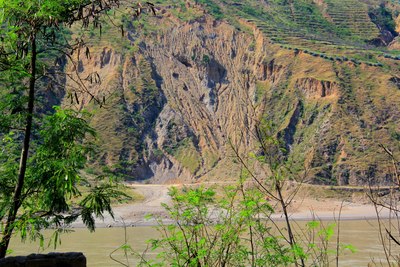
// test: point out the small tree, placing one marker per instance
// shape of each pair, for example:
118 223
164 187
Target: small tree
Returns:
37 182
227 230
275 173
230 228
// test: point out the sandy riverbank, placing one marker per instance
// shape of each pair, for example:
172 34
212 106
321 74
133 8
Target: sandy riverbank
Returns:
305 206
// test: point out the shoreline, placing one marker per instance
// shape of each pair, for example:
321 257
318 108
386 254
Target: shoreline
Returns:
305 207
356 213
275 217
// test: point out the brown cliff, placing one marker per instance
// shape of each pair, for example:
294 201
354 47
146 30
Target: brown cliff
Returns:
175 104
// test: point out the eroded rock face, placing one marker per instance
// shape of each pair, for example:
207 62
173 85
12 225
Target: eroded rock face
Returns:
313 88
69 259
270 71
174 107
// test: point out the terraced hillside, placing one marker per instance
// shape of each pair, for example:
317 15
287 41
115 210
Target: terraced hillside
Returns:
181 87
333 21
332 27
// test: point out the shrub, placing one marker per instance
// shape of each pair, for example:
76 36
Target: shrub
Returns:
232 229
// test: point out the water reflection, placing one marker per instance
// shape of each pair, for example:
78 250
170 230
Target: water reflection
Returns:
97 246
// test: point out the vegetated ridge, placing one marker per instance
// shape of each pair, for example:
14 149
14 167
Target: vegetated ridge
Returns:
180 88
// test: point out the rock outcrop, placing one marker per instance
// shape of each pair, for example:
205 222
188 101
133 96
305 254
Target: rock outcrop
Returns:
69 259
313 88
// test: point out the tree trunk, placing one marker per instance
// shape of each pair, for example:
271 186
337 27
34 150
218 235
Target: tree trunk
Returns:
17 201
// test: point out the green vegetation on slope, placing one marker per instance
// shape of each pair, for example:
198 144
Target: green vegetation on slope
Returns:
329 39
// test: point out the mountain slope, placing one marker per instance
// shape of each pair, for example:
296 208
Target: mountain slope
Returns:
184 86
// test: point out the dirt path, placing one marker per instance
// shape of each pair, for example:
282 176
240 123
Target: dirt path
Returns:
153 195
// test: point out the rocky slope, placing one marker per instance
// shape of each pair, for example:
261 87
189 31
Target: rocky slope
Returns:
180 89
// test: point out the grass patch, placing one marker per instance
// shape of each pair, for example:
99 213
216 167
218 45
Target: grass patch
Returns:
188 156
324 192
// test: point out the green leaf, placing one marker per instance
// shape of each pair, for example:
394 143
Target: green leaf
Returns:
313 224
349 247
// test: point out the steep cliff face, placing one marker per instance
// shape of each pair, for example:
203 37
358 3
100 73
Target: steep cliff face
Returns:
313 88
175 100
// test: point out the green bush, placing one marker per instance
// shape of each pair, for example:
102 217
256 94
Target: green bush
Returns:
205 60
213 231
233 228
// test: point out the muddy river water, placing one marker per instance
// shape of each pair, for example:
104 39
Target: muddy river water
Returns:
362 234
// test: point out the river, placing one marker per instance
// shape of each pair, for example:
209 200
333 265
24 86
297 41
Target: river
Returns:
362 234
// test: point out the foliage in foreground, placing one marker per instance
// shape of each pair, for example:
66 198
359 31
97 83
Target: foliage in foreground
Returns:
52 179
235 229
40 162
